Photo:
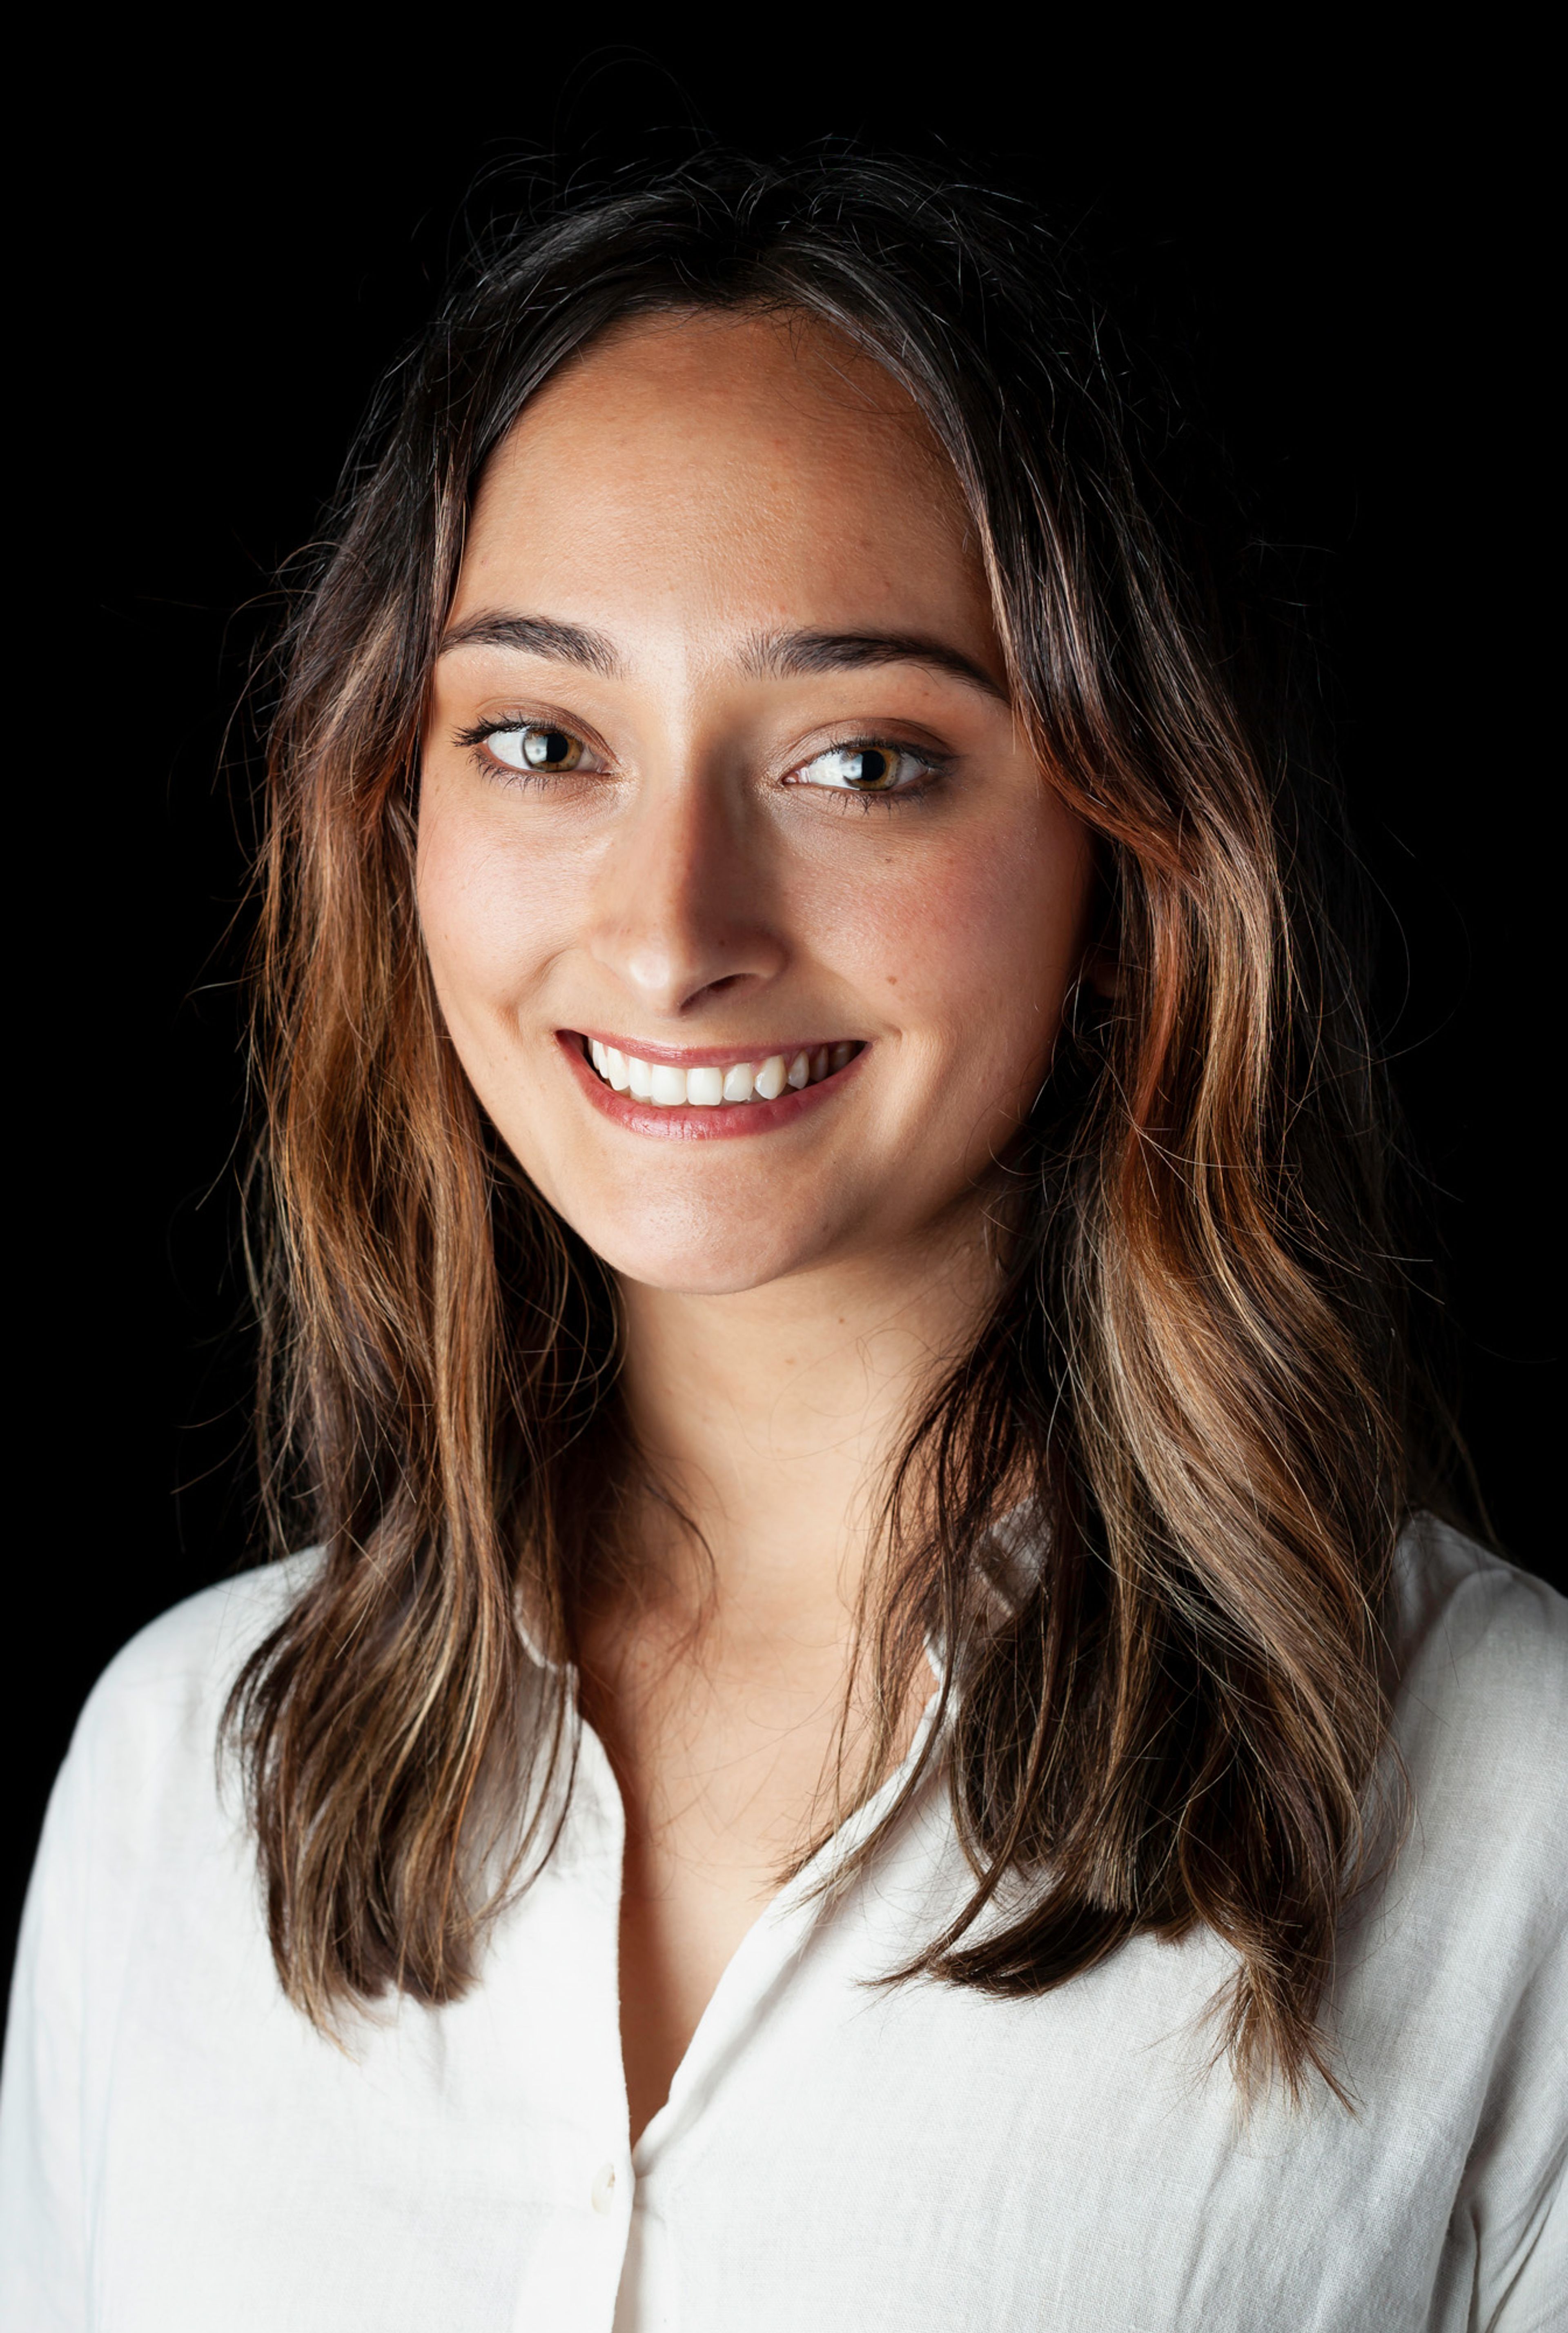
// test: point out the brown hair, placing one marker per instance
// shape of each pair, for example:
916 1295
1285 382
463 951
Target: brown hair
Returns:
1194 1377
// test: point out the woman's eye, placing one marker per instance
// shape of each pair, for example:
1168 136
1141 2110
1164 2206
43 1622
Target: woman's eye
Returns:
536 747
863 769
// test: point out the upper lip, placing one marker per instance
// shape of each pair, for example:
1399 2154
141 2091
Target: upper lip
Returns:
709 1057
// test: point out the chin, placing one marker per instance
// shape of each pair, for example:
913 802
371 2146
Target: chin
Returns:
675 1279
721 1258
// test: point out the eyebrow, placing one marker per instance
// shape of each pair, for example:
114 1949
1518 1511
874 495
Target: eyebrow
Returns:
787 655
781 656
538 636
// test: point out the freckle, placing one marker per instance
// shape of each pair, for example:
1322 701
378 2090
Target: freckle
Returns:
892 980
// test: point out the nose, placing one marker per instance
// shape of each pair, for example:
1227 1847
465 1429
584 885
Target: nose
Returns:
683 910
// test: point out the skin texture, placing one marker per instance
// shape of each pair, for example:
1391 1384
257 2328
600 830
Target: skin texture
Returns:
689 491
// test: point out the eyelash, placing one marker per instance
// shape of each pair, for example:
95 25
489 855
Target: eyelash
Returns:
935 765
490 765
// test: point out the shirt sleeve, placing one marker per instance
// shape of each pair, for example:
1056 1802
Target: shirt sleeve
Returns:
1532 2271
42 2217
1508 2273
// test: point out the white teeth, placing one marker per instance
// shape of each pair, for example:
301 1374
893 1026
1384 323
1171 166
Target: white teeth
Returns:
711 1084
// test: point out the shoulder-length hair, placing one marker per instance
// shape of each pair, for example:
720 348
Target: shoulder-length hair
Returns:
1193 1377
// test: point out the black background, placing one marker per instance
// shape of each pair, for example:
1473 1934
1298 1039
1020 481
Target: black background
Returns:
1340 260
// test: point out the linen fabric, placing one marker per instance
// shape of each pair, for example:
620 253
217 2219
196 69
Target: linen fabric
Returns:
182 2153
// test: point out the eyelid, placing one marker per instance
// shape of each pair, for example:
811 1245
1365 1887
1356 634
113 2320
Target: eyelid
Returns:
931 760
476 739
542 718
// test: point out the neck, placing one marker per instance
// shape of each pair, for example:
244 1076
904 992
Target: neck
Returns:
770 1417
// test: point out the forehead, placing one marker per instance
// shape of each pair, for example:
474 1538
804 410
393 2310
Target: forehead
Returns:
741 454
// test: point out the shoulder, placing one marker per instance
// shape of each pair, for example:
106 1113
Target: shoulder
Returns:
143 1892
163 1693
1477 1639
139 1817
142 1808
198 1648
1482 1652
1453 1985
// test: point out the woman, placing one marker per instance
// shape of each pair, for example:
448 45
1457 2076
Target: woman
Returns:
876 1730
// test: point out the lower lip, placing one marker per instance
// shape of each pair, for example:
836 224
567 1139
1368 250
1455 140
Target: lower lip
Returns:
689 1122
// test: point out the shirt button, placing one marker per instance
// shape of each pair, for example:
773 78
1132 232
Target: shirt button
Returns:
604 2187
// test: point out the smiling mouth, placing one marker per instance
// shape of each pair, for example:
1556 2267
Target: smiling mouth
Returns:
716 1085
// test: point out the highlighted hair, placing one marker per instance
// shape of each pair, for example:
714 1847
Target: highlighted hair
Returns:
1194 1379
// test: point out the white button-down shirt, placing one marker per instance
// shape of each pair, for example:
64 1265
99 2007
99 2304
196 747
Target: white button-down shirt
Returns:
181 2153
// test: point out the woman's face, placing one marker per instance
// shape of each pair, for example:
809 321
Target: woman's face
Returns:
720 778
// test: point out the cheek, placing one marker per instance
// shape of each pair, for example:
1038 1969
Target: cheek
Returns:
977 935
484 910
